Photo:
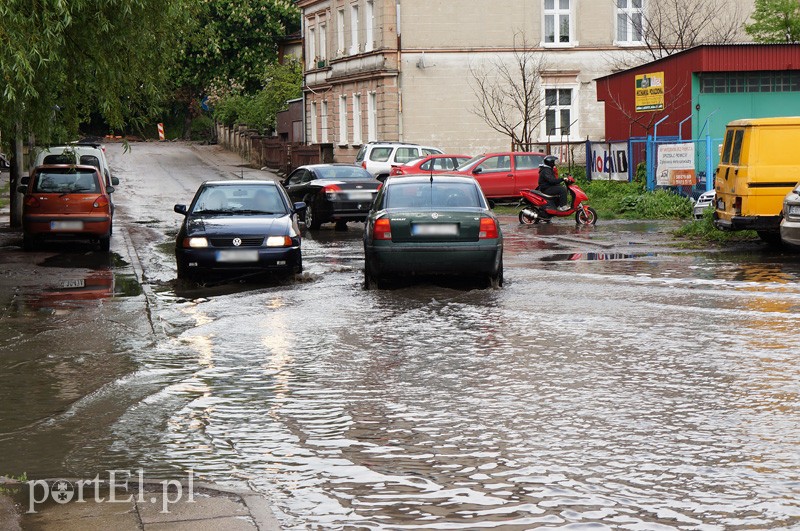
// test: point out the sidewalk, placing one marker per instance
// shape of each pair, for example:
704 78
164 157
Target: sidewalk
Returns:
198 507
216 156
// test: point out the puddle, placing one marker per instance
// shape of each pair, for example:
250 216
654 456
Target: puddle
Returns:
573 257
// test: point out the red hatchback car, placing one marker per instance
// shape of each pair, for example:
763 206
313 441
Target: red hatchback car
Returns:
66 202
430 164
503 175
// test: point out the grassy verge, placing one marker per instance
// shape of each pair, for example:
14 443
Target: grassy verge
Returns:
4 195
703 231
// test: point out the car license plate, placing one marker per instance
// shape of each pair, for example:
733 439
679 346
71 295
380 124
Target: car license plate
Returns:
794 210
244 255
73 283
434 229
66 225
360 196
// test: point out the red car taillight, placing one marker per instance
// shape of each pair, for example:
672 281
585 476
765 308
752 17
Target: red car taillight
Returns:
382 230
100 202
331 191
32 202
488 229
364 164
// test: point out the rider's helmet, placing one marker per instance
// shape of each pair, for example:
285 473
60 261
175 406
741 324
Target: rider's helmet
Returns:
550 160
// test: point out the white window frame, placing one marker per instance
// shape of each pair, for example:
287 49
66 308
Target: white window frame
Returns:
340 51
313 122
343 120
372 117
628 11
369 23
324 119
312 48
357 119
574 133
354 40
323 42
556 12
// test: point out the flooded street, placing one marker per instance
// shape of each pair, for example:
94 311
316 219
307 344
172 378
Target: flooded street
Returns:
614 382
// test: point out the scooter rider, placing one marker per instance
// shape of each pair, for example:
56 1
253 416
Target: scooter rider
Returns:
550 184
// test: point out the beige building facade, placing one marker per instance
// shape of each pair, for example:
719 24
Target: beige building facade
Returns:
404 70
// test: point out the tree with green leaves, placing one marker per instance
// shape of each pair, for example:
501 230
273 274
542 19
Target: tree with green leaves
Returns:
775 21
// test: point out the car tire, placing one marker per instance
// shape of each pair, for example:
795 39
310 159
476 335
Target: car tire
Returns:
28 242
371 280
311 219
183 271
770 237
496 278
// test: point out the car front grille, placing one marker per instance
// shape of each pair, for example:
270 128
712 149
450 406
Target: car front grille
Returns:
228 242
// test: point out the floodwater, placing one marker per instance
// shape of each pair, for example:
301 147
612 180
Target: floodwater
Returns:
612 383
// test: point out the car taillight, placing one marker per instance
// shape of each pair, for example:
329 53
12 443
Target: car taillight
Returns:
100 202
488 229
382 230
32 202
332 191
364 164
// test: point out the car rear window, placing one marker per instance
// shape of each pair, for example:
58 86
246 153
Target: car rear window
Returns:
380 154
61 158
90 160
240 199
405 154
67 182
343 172
433 195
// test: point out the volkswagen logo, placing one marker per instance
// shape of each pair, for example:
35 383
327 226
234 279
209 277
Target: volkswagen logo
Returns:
237 242
435 215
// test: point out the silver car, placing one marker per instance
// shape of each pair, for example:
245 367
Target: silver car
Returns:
790 224
704 201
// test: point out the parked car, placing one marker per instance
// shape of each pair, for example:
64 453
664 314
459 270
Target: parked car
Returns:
503 175
66 202
4 162
246 227
703 202
438 224
430 164
378 157
332 192
88 154
790 224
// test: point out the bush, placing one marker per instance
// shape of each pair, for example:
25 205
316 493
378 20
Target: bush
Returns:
202 129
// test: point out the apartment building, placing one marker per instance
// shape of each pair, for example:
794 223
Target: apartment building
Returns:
405 70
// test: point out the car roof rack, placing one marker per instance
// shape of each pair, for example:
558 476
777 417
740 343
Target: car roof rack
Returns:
392 142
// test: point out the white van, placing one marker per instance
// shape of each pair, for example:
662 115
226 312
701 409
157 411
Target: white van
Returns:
79 153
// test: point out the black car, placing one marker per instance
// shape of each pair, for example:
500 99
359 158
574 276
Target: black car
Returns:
332 192
238 226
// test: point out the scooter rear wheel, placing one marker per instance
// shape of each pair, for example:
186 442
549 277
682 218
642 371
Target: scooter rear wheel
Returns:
527 220
586 218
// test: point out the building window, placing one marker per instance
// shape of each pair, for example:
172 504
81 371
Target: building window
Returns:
369 21
372 117
557 22
312 48
558 112
323 45
313 122
356 119
736 82
325 139
340 33
629 21
342 120
354 29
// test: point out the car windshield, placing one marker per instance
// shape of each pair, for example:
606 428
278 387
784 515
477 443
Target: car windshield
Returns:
342 172
433 195
470 163
65 182
239 199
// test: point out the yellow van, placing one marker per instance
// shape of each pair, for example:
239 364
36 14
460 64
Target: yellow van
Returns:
760 164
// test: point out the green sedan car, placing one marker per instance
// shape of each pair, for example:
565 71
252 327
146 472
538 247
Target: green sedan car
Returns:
432 225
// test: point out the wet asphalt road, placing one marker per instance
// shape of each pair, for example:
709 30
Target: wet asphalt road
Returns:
615 382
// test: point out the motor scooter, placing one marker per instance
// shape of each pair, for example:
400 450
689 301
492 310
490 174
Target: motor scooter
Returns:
537 206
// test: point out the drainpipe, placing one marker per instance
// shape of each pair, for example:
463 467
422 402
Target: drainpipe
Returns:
303 59
398 23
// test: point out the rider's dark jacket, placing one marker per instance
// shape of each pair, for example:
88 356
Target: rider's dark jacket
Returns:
547 177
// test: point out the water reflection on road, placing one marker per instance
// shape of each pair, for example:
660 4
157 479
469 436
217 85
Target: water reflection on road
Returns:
627 389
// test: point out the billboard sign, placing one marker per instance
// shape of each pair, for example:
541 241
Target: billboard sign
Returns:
675 165
650 92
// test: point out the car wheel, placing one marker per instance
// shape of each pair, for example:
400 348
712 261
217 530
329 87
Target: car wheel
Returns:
28 242
496 278
371 281
586 218
183 271
312 220
105 243
772 238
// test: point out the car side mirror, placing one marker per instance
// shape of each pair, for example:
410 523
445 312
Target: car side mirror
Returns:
22 189
477 170
24 180
180 209
115 181
382 178
300 206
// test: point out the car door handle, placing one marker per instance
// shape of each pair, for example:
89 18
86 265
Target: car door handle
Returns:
510 175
